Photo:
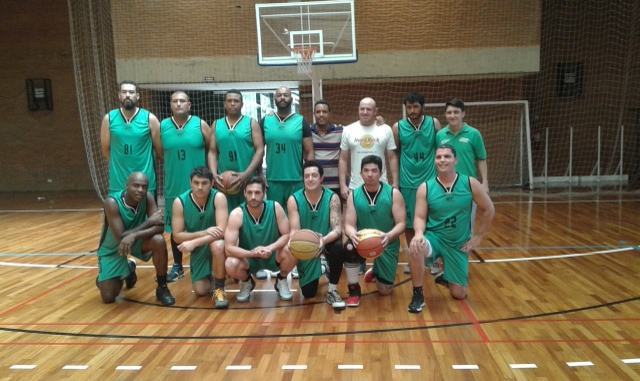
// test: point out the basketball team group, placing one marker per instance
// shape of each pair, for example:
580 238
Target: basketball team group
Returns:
326 198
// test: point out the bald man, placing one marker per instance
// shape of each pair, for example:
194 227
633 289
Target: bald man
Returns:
134 227
362 138
287 137
184 140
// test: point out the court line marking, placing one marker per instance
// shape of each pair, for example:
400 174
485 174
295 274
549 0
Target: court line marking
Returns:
22 367
594 201
465 366
523 366
294 367
75 367
502 260
60 210
631 361
238 367
406 367
184 367
350 366
579 363
129 367
474 320
332 321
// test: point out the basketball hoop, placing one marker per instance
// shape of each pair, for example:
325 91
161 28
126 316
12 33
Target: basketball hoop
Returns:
304 57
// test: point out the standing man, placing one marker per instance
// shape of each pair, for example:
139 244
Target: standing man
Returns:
287 137
326 144
443 225
255 238
236 145
467 142
373 205
415 138
128 137
364 138
199 219
184 140
317 208
134 227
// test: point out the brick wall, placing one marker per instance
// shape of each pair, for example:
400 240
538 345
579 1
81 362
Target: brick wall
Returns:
41 145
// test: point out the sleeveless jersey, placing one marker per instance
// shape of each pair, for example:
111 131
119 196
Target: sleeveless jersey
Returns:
130 219
261 233
315 217
449 212
235 144
417 152
283 141
131 149
196 219
377 214
184 150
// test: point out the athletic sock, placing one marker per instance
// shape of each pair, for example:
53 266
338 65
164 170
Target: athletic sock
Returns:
352 270
162 280
218 283
332 287
417 290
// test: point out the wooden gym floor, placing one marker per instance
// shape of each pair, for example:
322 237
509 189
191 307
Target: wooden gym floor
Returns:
554 296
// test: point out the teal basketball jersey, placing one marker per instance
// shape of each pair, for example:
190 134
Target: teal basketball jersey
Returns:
131 149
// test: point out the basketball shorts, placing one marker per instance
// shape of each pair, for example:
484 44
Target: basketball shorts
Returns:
409 195
264 264
384 267
200 264
309 271
280 191
456 261
116 266
168 207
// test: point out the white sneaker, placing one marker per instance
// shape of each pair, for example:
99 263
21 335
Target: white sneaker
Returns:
435 268
334 299
283 289
245 290
294 273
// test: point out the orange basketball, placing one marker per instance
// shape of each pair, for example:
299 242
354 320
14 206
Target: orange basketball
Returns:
227 178
370 243
304 244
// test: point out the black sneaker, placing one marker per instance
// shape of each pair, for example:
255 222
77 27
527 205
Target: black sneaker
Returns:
177 272
164 296
417 303
439 279
131 280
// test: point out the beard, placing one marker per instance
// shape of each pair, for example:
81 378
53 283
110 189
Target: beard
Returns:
284 104
129 104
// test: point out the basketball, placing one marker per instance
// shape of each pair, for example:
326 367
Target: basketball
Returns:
227 178
304 244
370 243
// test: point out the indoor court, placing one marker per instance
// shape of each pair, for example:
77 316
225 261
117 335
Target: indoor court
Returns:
554 290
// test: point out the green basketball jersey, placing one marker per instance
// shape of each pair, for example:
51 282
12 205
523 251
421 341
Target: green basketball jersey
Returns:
262 232
283 141
184 150
235 144
131 149
131 217
449 211
375 213
417 152
315 217
196 219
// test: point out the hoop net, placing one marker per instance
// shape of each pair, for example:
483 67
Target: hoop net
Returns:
305 55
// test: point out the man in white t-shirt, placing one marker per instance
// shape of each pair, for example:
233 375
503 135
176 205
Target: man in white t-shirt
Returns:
363 138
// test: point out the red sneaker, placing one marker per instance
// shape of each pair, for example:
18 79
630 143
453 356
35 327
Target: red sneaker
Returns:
353 300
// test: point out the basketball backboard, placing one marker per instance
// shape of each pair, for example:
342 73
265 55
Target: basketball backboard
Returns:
285 30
